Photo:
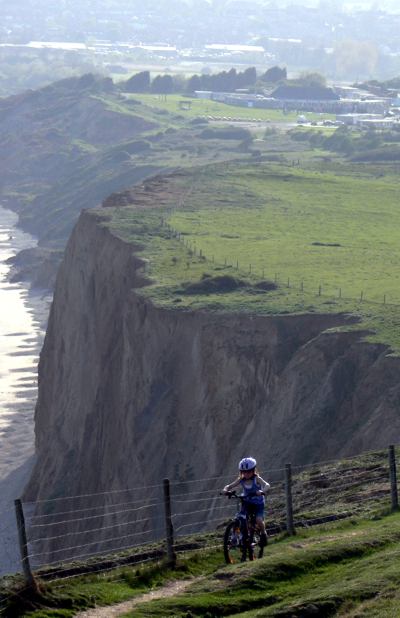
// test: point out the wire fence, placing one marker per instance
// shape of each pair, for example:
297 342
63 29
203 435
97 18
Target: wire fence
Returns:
336 291
99 532
93 524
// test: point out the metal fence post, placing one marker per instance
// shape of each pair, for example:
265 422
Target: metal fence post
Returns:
168 524
23 546
393 478
289 503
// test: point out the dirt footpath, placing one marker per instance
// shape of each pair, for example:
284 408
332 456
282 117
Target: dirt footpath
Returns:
169 590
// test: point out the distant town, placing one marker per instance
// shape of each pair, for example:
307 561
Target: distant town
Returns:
344 42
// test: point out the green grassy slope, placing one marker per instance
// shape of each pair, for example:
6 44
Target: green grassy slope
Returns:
333 573
194 107
68 146
327 235
351 552
347 570
337 230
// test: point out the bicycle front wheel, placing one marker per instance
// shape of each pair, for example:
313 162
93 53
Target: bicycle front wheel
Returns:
233 543
256 548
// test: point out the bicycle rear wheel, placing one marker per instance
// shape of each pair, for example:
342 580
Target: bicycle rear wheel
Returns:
233 543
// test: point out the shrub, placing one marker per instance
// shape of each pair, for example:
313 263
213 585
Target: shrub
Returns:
226 133
213 285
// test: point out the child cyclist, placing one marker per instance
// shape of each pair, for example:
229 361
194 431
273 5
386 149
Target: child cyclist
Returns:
253 489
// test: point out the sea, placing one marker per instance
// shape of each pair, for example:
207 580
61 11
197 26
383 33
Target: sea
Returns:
23 317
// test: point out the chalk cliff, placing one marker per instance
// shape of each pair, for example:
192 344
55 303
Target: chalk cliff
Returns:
126 386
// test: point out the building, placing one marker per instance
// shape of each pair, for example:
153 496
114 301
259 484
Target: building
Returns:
319 100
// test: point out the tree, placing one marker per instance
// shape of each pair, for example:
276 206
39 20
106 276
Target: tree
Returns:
313 80
273 75
340 141
247 78
140 82
162 84
194 83
224 81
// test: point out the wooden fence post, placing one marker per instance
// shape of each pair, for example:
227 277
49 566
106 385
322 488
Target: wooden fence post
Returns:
23 546
393 478
289 503
168 525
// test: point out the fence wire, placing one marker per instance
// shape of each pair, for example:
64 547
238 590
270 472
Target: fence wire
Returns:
99 532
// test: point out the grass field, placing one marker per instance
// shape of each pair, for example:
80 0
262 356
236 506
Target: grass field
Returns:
216 110
340 232
348 570
329 239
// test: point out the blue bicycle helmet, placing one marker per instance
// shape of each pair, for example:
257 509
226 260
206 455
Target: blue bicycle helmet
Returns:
248 463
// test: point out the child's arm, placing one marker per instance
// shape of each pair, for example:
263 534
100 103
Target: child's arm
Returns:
264 486
231 486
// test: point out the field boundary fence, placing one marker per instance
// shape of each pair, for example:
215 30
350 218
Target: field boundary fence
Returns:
322 289
97 533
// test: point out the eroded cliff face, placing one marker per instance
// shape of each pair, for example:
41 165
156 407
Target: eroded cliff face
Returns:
125 386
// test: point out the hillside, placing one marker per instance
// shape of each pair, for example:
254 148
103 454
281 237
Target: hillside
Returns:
351 571
270 239
342 558
67 146
345 570
245 297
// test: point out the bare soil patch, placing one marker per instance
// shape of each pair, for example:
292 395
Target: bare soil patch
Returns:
169 590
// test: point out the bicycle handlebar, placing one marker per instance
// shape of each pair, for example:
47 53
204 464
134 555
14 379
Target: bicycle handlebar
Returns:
233 494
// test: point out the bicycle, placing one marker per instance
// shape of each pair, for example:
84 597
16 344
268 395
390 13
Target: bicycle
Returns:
241 536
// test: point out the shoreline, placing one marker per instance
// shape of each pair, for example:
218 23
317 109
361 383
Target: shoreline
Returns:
22 328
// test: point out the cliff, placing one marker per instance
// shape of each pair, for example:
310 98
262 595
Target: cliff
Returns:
128 389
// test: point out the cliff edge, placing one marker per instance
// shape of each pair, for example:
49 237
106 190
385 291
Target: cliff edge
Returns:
125 385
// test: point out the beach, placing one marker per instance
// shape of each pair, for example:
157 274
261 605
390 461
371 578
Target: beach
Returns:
23 317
